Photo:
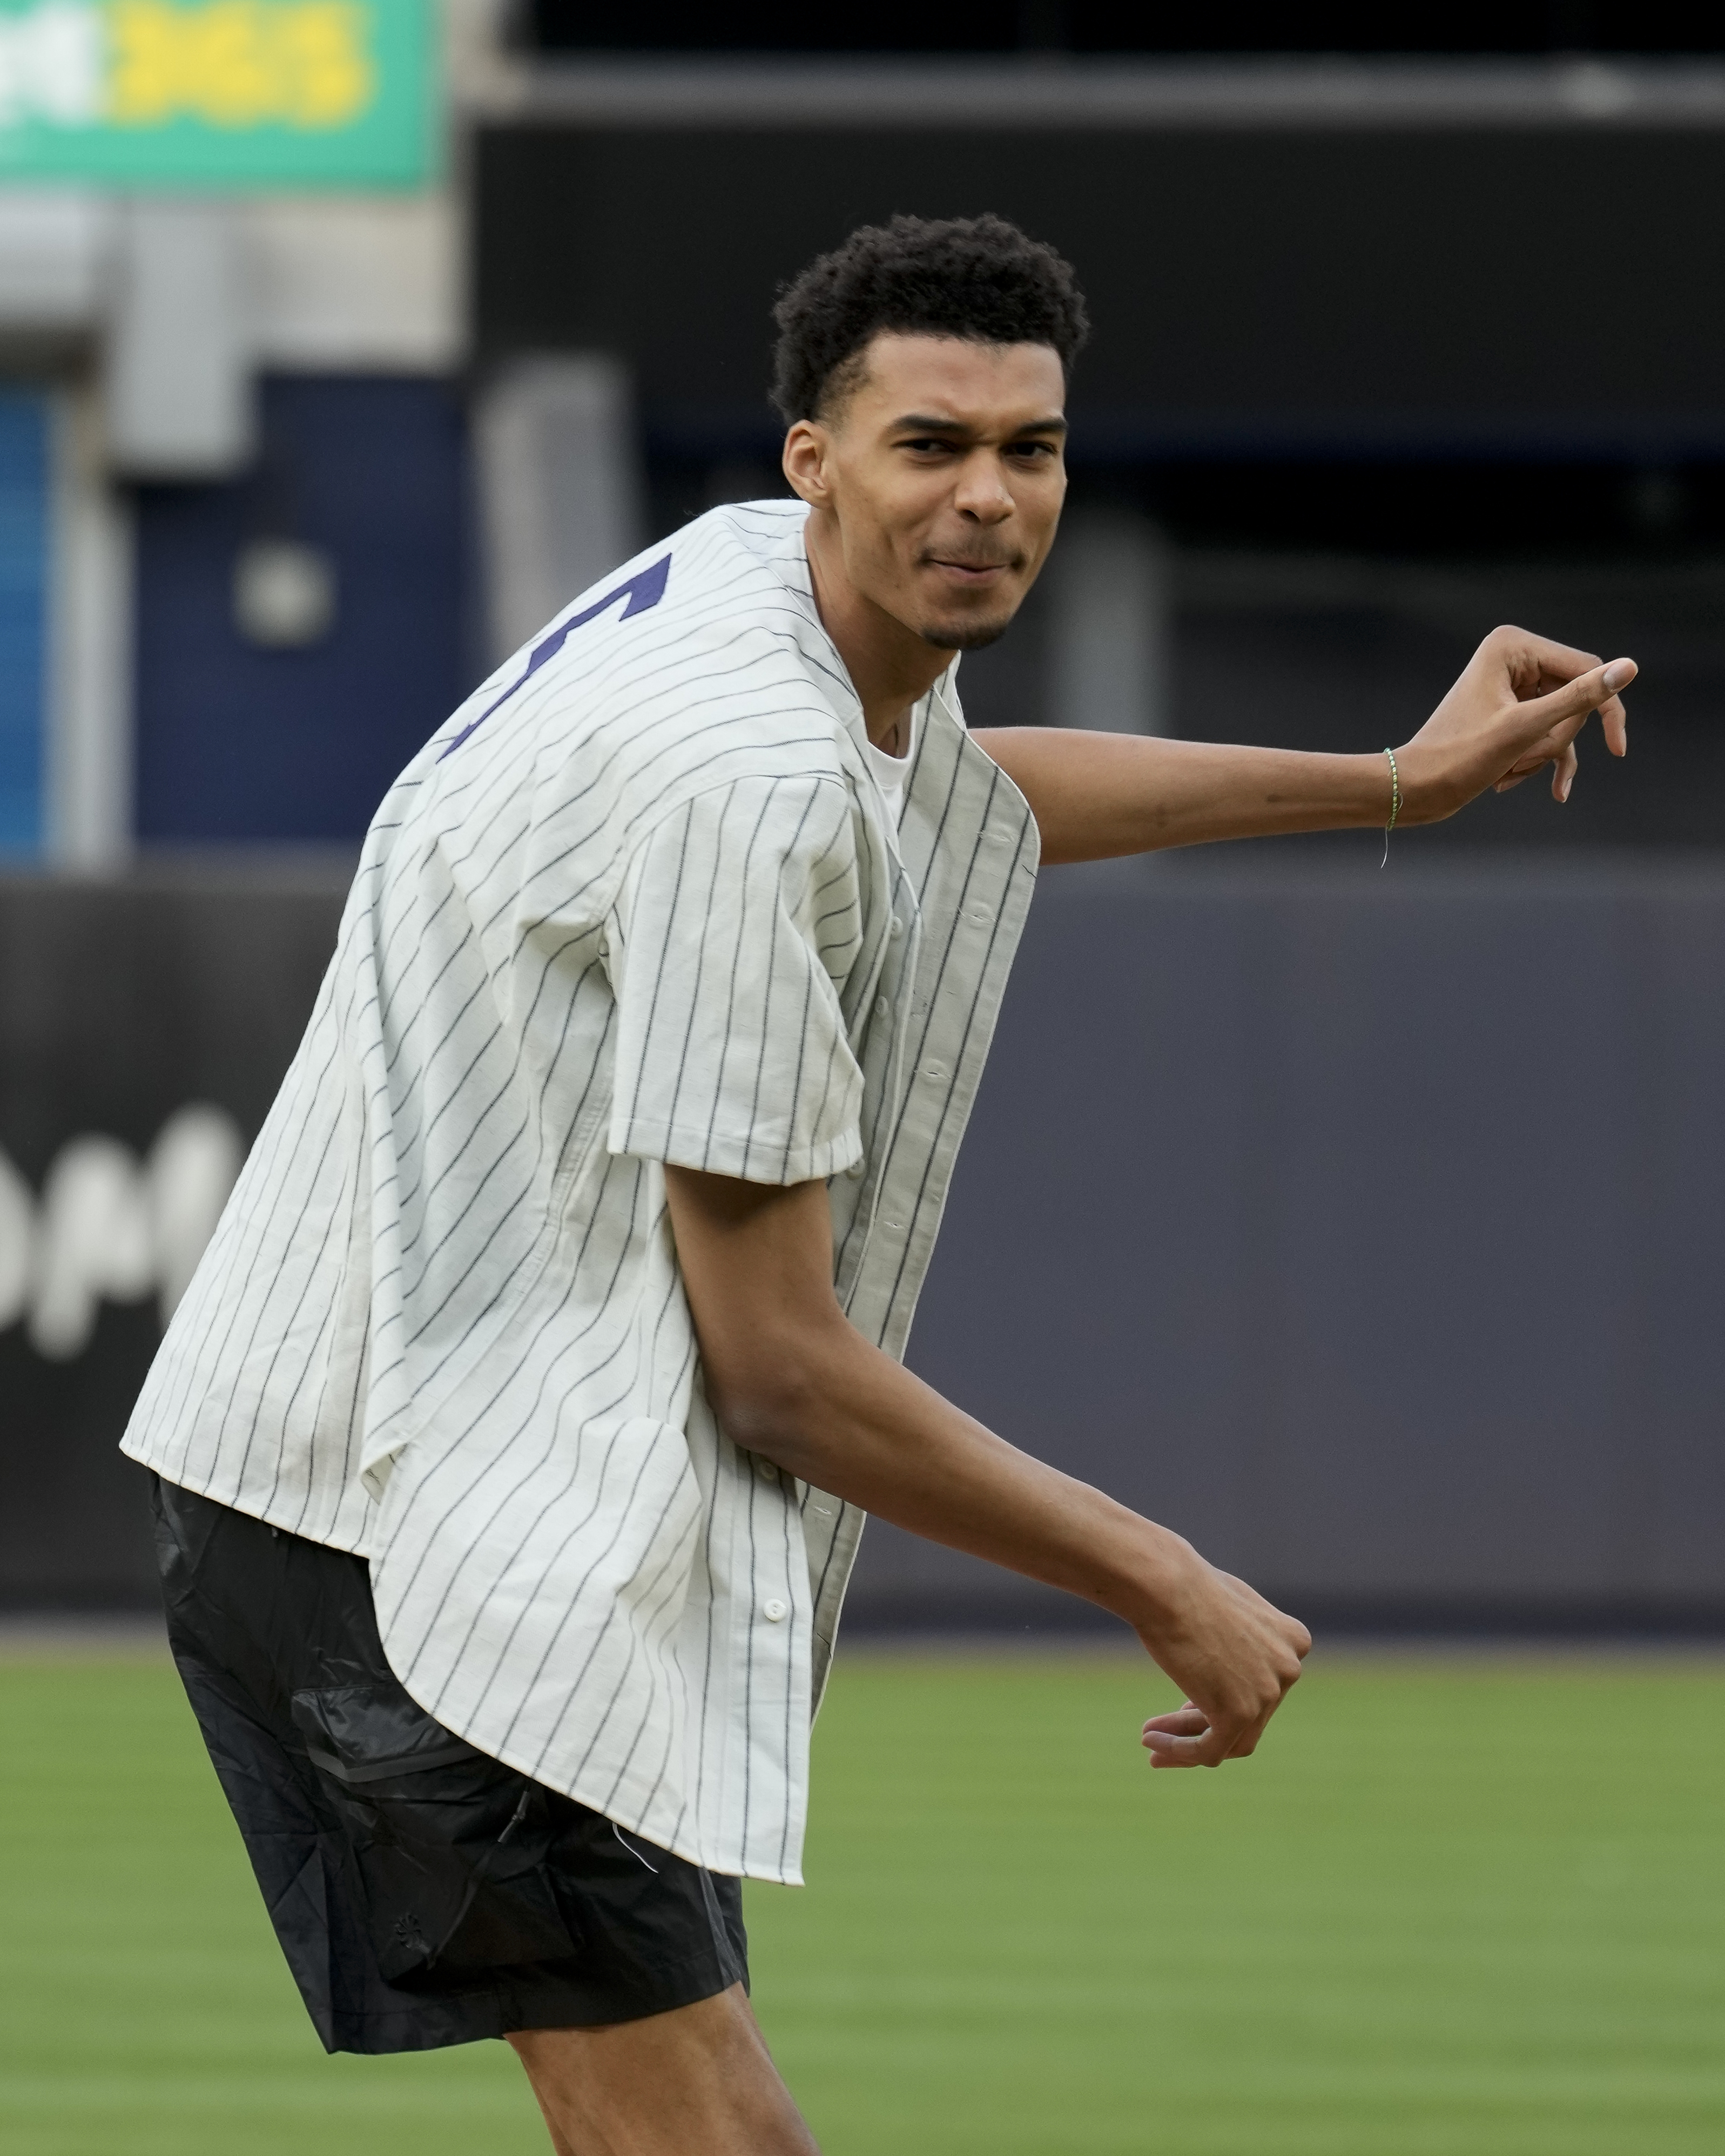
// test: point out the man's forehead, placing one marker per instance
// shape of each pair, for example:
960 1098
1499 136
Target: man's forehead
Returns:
961 380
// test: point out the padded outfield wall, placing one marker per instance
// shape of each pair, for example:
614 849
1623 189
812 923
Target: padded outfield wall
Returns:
1366 1228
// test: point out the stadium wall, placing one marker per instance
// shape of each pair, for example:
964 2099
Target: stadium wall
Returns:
1364 1227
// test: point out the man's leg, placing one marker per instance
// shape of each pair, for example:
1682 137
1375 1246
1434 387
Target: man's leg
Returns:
696 2081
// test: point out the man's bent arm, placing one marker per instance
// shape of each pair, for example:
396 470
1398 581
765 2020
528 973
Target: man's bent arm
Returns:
790 1378
1519 706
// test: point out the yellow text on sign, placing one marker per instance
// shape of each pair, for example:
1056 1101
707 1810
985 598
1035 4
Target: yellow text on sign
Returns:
240 63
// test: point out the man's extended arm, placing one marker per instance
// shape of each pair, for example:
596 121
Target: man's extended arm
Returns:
792 1379
1519 705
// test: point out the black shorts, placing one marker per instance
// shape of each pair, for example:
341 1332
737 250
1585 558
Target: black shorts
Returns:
423 1892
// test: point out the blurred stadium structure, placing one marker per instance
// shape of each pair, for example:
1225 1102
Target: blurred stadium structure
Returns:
1371 1235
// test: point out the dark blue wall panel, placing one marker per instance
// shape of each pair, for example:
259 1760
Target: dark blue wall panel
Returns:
236 743
1368 1228
23 592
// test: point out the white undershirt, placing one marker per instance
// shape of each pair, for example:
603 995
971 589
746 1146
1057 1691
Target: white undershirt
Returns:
892 772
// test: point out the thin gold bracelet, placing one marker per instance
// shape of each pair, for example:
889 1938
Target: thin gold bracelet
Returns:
1395 804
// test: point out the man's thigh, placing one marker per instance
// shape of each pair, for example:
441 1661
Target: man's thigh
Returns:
424 1893
696 2081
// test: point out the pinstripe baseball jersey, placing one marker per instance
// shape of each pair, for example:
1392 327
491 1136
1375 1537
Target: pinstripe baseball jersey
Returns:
641 903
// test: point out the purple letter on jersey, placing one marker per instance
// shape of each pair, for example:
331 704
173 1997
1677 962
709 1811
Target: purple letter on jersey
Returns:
643 591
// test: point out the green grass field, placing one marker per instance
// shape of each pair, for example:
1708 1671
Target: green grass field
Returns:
1454 1908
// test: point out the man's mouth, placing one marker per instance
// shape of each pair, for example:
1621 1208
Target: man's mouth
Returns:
966 572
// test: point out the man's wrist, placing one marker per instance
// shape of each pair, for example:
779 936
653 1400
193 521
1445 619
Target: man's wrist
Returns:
1421 786
1150 1577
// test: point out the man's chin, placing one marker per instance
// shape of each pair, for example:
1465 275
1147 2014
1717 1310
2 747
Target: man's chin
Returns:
965 635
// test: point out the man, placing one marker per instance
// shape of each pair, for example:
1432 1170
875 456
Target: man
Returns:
513 1442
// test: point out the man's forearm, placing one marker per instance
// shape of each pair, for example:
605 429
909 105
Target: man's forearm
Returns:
1097 796
1516 708
792 1380
860 1425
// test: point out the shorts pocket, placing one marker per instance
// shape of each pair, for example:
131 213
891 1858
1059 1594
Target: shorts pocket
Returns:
450 1845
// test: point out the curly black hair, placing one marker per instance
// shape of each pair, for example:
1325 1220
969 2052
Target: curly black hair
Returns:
974 277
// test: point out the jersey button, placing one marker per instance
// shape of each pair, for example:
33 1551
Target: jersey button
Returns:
775 1611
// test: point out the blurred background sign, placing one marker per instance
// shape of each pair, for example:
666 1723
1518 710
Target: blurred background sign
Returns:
217 92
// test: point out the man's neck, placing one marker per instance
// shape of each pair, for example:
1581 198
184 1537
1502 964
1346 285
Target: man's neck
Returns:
890 667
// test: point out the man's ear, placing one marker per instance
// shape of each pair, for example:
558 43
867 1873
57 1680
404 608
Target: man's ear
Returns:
804 461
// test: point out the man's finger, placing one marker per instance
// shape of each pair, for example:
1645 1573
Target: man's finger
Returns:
1548 724
1563 774
1187 1720
1562 711
1532 661
1189 1738
1174 1735
1209 1750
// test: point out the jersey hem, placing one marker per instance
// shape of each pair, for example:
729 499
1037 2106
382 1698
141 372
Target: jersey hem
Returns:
288 1519
774 1874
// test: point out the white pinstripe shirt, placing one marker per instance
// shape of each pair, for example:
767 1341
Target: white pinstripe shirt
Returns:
640 902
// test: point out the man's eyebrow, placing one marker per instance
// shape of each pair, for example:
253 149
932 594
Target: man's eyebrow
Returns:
920 423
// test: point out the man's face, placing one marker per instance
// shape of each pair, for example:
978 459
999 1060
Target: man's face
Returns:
944 471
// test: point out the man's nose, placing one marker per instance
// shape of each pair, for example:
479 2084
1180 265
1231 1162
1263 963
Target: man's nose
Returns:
983 492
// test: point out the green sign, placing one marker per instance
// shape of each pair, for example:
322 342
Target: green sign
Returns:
183 94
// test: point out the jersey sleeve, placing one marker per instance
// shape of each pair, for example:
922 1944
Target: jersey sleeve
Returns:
732 935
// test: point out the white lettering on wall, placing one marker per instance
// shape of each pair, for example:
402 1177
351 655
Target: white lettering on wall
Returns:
111 1227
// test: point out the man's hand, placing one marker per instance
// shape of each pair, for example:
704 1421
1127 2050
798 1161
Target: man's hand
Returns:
1519 706
790 1380
1228 1700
